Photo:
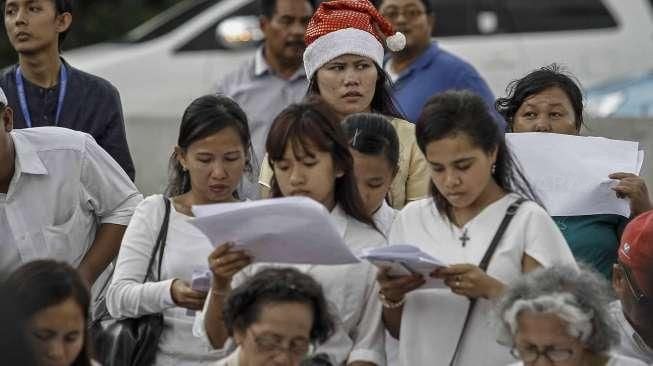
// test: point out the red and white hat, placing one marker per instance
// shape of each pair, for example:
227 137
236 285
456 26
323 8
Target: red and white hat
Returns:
341 27
636 249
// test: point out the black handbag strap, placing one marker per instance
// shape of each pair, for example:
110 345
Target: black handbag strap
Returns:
485 262
160 243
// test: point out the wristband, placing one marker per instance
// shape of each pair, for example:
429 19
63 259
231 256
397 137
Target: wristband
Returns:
387 303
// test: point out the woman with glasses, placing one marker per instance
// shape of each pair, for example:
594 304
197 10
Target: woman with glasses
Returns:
559 316
275 318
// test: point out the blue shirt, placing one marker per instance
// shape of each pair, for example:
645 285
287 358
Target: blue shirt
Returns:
437 71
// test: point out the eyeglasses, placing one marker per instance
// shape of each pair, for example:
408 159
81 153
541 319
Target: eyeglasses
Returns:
269 343
532 354
641 298
409 14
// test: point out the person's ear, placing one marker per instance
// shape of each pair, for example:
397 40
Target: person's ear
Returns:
264 23
180 155
430 18
494 154
63 22
618 281
239 337
7 119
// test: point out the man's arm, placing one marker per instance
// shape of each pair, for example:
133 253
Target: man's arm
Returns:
103 250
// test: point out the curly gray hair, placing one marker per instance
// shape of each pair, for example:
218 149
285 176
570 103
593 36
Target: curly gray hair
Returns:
579 297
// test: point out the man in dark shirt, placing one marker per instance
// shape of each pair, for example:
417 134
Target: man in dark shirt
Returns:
44 90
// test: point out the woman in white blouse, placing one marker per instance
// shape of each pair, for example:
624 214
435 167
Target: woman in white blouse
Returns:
310 157
474 180
206 167
374 145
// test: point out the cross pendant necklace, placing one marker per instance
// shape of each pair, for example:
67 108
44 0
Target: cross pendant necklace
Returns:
464 238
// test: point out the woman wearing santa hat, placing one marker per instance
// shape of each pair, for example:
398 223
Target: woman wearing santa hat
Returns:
345 47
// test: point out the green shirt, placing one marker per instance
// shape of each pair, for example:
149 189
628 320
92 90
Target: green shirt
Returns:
593 239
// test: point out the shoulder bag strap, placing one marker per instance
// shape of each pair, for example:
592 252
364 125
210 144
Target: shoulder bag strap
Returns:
510 213
160 242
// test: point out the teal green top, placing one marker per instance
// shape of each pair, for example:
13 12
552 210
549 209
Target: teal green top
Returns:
593 239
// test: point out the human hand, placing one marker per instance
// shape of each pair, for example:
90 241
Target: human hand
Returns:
184 296
470 281
632 187
224 263
395 288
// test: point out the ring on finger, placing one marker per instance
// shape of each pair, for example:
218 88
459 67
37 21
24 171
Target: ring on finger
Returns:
219 261
456 284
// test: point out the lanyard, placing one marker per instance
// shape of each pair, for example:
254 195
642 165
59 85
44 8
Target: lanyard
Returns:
20 85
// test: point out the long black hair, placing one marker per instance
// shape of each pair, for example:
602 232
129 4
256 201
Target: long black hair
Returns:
382 102
204 117
313 121
535 82
41 284
462 112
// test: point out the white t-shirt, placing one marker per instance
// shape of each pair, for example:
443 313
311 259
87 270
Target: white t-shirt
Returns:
350 289
614 360
186 249
433 319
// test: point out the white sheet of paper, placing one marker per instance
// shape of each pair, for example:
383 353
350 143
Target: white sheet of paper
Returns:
405 260
570 173
294 230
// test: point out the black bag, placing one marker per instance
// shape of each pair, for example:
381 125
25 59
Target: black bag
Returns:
131 341
485 262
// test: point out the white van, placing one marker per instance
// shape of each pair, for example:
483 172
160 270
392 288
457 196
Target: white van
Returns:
173 58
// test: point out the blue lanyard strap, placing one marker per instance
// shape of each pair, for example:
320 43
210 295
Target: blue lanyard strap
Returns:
22 98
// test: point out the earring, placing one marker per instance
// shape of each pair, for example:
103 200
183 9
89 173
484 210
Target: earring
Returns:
494 168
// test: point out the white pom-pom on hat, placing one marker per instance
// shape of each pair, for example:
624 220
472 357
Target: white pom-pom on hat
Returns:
396 42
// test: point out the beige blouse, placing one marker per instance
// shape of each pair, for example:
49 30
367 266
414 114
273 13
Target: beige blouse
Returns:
412 180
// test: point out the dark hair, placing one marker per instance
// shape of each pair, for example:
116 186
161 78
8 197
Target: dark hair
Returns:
15 348
382 102
463 112
40 284
313 121
268 8
535 82
204 117
428 5
278 285
372 134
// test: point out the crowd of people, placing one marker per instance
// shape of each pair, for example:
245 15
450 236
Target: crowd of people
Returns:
349 103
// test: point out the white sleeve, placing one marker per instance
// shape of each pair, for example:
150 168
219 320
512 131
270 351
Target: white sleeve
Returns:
108 191
544 241
369 342
128 296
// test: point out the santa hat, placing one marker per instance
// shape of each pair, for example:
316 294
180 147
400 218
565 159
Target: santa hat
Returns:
341 27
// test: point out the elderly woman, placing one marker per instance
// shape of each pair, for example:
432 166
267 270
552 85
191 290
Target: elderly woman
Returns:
558 316
548 100
275 317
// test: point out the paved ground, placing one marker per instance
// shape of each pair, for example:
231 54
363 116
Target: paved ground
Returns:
151 142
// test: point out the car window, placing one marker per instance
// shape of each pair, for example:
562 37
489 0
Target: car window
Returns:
206 40
470 18
558 15
169 20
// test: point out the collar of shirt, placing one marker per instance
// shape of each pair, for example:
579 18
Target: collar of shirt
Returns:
261 67
636 339
422 62
27 160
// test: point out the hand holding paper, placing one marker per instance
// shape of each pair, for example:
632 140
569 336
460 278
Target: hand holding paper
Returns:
294 230
405 260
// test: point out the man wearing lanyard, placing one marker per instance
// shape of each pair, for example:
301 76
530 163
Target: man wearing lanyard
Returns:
44 90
